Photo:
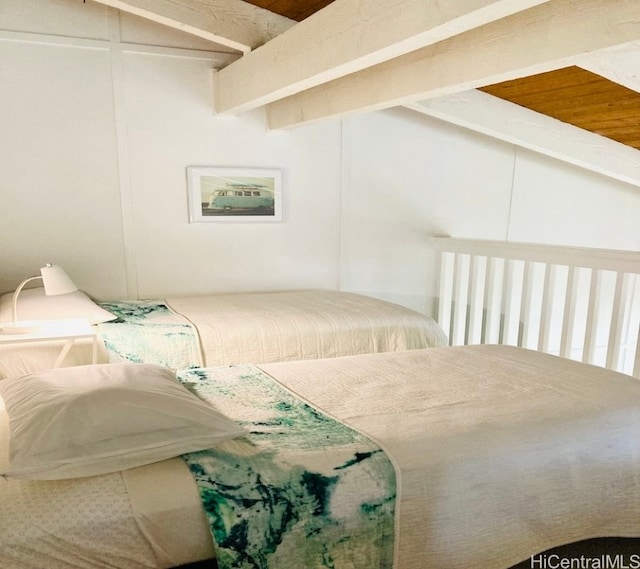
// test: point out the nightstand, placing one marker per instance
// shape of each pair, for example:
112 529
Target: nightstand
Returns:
56 330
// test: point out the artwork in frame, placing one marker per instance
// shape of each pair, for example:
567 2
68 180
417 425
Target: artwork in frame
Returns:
234 194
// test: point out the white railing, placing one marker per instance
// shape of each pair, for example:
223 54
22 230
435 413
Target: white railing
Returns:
578 303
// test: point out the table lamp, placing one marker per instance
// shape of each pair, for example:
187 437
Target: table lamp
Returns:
54 280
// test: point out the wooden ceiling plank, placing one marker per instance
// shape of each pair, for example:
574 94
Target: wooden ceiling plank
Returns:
567 77
567 99
346 37
619 129
629 114
558 87
233 23
544 91
546 37
294 9
627 117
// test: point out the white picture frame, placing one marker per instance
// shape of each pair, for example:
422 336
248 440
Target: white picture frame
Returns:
234 194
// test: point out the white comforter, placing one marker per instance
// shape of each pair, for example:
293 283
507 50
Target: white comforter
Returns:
501 452
299 325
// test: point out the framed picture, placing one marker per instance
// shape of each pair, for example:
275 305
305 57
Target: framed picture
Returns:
234 194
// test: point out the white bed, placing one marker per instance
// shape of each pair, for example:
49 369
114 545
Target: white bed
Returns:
500 453
250 327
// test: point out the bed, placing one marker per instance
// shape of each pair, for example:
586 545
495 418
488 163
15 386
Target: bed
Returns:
236 328
498 453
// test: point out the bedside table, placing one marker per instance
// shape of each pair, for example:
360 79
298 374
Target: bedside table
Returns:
56 330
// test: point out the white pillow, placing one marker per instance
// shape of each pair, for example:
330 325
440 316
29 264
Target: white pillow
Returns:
33 304
89 420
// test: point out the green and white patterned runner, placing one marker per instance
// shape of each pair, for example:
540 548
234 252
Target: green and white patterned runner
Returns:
300 491
148 331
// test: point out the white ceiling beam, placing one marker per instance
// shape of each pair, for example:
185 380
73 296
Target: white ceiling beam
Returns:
620 65
232 23
517 125
546 37
344 37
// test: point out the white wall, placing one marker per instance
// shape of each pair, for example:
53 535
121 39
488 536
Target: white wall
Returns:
556 203
407 176
96 138
164 135
59 198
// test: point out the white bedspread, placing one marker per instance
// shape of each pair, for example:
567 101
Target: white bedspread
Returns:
501 452
282 326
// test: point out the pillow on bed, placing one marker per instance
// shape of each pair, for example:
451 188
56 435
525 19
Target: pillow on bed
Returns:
89 420
34 304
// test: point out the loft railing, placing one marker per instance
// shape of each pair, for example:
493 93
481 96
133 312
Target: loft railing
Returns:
575 302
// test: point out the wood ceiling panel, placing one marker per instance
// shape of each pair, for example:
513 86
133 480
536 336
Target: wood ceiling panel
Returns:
295 9
578 97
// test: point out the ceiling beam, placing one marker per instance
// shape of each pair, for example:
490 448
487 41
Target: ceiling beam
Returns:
620 65
546 37
517 125
232 23
345 37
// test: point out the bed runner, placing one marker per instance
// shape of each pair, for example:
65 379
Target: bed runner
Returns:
300 490
149 331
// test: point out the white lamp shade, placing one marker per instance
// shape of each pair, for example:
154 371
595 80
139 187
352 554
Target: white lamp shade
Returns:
56 281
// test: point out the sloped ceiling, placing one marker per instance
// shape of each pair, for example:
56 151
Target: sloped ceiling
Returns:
571 94
577 61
